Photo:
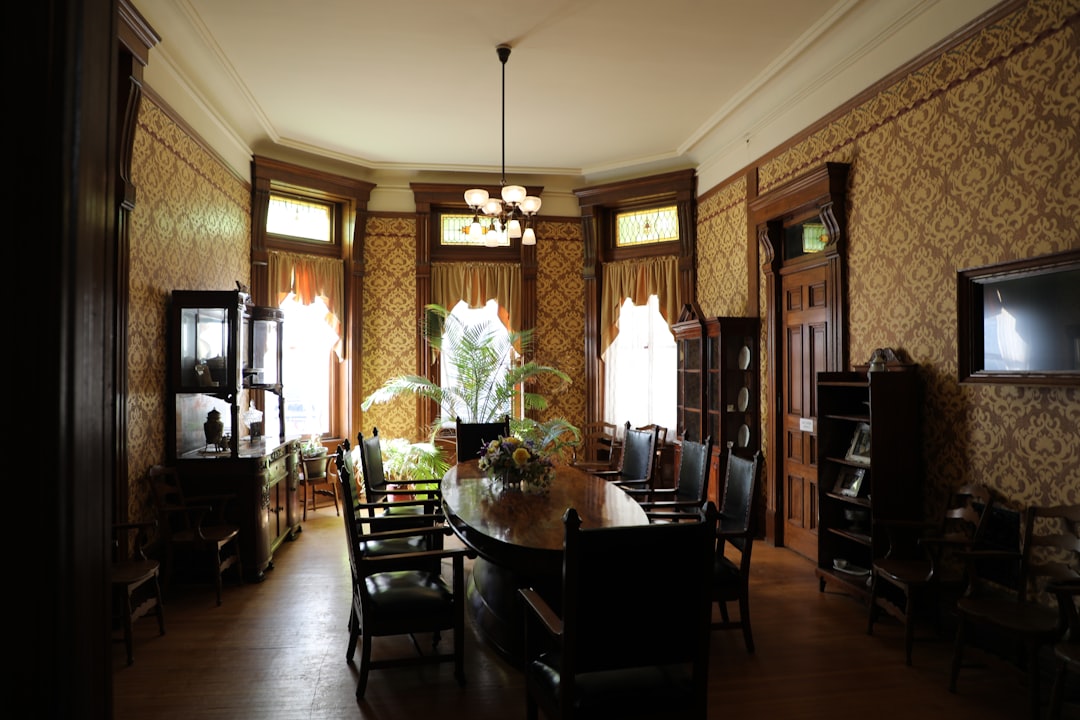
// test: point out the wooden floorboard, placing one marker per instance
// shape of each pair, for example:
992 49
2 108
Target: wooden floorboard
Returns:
276 651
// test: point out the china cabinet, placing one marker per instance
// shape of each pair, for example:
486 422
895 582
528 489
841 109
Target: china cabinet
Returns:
869 469
717 389
224 355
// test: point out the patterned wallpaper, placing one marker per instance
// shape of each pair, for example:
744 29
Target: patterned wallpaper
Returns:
390 329
390 323
972 160
190 230
560 316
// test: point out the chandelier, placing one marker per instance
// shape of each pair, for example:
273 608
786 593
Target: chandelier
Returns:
512 215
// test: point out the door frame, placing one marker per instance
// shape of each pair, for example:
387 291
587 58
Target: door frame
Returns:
824 190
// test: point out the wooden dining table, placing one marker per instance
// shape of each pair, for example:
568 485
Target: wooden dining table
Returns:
518 537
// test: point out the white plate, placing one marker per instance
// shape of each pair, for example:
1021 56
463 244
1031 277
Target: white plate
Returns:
849 568
744 357
744 436
744 399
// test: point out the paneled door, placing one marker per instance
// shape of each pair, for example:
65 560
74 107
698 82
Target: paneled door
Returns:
806 296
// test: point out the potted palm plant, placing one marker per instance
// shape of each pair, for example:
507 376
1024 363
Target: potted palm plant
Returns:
490 380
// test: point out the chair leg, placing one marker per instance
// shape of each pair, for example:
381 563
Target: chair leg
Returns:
128 641
1033 678
909 623
744 619
958 653
354 635
1057 692
304 483
365 666
160 607
871 606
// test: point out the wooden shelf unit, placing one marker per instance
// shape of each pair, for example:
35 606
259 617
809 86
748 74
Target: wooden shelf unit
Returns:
888 403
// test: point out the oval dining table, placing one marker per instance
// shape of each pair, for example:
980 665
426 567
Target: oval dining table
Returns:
518 537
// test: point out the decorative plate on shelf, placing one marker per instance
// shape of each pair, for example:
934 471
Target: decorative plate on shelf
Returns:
744 435
744 399
848 567
744 357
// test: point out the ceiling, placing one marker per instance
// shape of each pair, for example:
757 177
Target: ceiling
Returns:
595 89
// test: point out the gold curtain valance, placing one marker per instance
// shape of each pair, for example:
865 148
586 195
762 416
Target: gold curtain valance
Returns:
637 280
476 283
309 277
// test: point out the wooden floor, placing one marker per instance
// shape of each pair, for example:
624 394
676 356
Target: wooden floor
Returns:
276 650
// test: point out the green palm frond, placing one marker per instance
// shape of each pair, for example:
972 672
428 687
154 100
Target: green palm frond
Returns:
490 376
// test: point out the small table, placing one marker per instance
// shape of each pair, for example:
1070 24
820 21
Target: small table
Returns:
519 539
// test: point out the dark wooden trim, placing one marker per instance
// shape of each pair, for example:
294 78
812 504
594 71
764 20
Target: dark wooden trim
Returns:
599 204
350 198
136 38
821 191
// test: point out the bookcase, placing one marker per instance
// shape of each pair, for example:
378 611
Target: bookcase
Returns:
869 468
717 386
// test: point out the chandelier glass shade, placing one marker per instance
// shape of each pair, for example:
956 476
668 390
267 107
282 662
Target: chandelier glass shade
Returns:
509 216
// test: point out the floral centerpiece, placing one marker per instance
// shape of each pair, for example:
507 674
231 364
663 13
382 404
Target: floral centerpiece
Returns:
515 460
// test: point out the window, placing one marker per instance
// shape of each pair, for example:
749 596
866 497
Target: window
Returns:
642 356
472 328
646 227
454 231
307 359
308 228
301 219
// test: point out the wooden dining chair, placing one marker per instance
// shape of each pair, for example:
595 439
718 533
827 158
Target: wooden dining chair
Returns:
473 438
637 466
599 656
1067 649
1049 553
316 478
691 486
136 586
599 447
919 563
195 529
735 533
399 594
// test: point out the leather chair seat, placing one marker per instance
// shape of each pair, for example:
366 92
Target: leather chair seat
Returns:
404 600
651 691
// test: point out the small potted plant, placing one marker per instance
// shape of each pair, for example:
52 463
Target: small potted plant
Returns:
312 447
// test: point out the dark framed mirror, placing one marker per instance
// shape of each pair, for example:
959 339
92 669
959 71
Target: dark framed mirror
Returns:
1019 322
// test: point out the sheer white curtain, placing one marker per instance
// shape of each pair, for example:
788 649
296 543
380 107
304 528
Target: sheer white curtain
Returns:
640 382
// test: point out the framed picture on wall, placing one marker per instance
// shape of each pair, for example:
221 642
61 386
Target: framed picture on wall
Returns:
859 451
849 480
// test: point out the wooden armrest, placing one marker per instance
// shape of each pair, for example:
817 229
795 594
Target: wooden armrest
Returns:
395 561
387 505
651 492
542 611
406 525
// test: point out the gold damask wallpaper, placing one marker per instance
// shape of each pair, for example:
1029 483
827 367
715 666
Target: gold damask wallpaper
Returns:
390 328
190 230
974 159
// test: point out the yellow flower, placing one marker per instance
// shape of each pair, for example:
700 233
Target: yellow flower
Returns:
521 456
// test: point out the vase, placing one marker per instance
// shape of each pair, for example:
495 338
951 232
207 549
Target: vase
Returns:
213 427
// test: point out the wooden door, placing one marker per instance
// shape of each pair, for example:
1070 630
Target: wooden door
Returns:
806 294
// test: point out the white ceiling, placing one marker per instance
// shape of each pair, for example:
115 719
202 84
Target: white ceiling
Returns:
595 89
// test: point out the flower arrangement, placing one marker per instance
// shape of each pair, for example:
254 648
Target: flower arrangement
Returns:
517 460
